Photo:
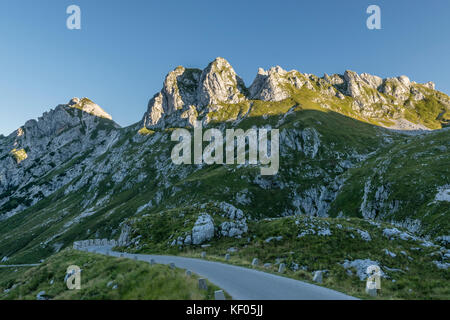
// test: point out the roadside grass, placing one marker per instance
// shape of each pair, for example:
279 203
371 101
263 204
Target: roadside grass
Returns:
102 278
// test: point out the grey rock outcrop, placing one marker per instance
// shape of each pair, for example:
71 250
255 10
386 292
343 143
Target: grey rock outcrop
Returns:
273 84
219 83
237 224
318 277
399 87
203 229
125 234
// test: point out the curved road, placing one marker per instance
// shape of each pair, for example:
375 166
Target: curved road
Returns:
241 283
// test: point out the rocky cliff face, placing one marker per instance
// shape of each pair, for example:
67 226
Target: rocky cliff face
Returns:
275 84
56 137
189 94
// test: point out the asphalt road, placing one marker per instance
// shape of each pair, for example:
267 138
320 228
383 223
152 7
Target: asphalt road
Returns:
241 283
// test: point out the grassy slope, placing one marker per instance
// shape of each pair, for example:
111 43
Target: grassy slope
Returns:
412 171
24 236
337 134
135 280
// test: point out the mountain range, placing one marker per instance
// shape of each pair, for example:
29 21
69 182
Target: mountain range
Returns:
354 148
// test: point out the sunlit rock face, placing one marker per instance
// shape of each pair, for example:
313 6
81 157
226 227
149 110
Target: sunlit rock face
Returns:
186 92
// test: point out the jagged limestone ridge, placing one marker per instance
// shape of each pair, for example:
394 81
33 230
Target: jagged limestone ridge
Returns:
392 102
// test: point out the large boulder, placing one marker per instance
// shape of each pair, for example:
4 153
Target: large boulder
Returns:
203 229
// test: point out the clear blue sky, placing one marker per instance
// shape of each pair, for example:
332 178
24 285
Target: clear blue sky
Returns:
125 48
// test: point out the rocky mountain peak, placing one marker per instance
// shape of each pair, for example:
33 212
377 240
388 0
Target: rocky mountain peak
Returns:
356 83
220 83
59 122
77 128
86 105
191 90
188 94
74 101
430 85
273 84
178 92
268 85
